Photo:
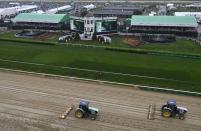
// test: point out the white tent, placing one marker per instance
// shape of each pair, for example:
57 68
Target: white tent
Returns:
17 9
89 7
7 11
198 5
14 3
26 8
196 14
39 12
55 10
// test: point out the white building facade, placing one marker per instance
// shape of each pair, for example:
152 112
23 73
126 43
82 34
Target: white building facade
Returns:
91 25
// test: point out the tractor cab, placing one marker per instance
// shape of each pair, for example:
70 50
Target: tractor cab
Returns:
84 105
85 111
171 102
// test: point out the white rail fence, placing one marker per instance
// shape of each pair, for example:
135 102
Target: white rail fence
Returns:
101 81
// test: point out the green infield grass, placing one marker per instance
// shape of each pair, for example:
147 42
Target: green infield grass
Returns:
134 68
180 46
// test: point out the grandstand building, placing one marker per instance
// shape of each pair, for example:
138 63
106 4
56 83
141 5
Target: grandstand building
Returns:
119 11
197 15
41 21
90 25
112 13
124 8
178 25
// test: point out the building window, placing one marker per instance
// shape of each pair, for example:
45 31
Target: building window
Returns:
92 29
91 21
87 21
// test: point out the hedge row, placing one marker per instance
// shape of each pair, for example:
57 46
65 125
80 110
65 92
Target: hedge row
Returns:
152 52
127 50
28 41
139 51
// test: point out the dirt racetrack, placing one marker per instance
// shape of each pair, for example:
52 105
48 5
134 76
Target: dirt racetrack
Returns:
31 103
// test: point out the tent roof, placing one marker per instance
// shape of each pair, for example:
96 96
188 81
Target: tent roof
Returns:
186 21
41 18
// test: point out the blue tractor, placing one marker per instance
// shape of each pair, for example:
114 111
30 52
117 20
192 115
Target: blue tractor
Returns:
170 109
84 111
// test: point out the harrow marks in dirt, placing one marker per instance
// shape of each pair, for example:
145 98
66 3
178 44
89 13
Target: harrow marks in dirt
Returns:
122 109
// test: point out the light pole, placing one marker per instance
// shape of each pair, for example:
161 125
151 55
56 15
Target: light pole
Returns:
127 28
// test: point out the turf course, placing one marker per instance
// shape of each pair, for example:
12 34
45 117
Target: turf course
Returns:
153 70
181 46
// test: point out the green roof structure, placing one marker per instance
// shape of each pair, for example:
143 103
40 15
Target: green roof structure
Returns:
41 18
183 21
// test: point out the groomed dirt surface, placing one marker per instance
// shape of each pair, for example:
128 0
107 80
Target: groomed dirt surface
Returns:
132 41
32 103
46 36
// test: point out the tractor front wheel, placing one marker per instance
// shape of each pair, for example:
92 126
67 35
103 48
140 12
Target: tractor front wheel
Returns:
182 116
93 117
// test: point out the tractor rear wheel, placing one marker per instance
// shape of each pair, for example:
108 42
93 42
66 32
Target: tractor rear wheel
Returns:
79 113
166 113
